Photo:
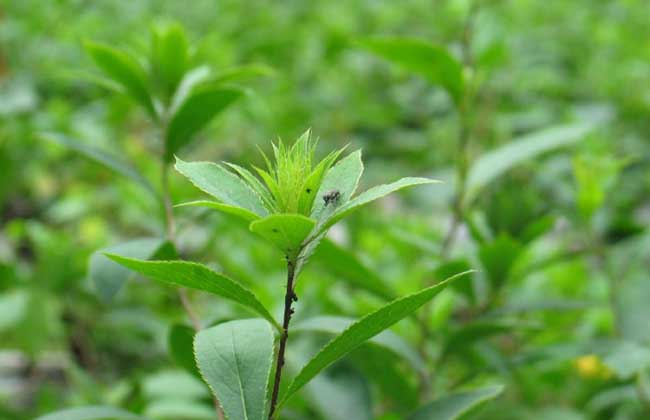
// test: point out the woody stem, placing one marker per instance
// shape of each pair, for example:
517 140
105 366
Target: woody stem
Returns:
289 298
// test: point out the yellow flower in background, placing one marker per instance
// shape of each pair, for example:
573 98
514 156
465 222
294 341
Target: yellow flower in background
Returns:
591 366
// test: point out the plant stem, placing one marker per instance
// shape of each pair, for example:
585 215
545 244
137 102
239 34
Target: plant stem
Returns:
458 203
170 231
170 224
289 298
642 390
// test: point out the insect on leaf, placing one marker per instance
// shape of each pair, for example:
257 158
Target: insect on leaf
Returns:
342 177
369 196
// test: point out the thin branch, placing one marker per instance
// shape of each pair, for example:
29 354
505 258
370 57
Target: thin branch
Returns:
170 231
642 390
170 223
289 298
458 203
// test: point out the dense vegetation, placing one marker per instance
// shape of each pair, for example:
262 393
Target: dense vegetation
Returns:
185 232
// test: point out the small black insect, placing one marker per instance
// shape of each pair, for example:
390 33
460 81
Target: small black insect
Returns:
331 197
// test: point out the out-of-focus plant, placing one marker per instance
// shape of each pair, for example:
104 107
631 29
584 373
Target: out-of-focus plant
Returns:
180 99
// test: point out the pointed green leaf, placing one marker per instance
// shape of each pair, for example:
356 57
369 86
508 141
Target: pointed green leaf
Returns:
371 195
221 184
453 406
342 177
92 77
255 184
498 257
224 208
496 162
314 181
348 268
98 155
170 56
14 304
235 359
464 336
190 80
179 408
243 73
286 231
124 70
361 331
91 413
203 104
197 276
383 369
109 276
386 339
348 388
180 344
427 60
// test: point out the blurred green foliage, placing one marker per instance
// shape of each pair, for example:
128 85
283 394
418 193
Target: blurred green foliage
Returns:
558 312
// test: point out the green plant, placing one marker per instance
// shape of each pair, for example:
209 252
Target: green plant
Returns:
292 206
180 99
292 203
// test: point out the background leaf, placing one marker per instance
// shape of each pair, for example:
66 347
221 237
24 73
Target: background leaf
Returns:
235 359
180 342
454 406
170 56
205 102
383 369
496 162
98 155
348 268
427 60
124 70
109 276
348 388
91 413
388 340
498 258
